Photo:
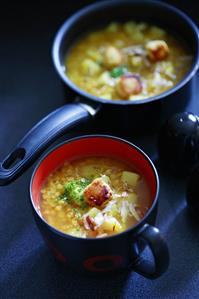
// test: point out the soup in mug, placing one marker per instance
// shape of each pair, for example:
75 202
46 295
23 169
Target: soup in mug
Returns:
128 61
94 197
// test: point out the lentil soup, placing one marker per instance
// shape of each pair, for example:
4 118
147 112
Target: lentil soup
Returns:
128 61
94 197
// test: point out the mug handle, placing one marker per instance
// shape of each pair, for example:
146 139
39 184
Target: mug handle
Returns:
40 137
152 237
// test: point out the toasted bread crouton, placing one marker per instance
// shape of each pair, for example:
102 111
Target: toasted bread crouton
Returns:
96 193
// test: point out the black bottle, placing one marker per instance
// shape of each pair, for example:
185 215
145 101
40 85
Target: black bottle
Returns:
178 143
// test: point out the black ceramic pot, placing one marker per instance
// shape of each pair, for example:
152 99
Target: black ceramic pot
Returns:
113 253
125 118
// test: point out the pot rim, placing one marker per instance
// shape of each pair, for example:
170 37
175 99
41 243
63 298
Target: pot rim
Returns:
134 228
72 20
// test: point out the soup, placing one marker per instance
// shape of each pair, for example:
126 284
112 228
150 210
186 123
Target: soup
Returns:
94 197
127 61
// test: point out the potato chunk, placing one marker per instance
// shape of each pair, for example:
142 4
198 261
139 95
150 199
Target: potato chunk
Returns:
136 61
97 192
157 50
89 67
131 178
111 224
112 57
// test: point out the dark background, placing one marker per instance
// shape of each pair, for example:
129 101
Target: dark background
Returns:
30 89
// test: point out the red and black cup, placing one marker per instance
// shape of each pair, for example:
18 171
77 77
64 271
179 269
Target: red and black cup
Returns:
116 252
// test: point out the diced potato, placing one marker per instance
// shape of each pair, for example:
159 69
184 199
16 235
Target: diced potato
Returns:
89 67
131 178
111 224
166 68
95 55
112 27
136 61
142 26
105 79
138 36
88 171
112 57
130 27
134 31
93 212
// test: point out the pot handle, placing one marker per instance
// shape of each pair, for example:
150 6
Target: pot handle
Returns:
152 237
40 137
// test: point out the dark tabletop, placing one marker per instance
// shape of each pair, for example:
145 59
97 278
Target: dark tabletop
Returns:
30 89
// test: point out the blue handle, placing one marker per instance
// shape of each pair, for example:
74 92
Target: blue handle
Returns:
40 137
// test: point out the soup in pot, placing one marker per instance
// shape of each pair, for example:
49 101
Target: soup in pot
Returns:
94 197
127 61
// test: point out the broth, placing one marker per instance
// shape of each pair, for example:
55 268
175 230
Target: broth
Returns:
94 197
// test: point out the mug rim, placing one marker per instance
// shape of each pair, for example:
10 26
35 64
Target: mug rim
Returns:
135 227
89 8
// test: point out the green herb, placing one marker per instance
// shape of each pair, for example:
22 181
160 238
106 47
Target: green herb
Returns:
63 197
118 71
74 191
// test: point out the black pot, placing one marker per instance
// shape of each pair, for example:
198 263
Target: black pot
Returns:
115 117
129 118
